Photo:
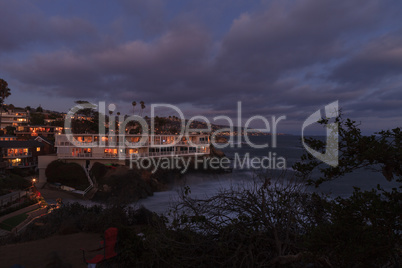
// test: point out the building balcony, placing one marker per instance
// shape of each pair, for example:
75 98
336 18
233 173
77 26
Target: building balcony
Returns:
171 154
134 144
110 156
23 165
22 155
36 132
82 155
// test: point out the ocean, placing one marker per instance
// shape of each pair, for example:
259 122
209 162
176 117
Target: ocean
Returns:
288 151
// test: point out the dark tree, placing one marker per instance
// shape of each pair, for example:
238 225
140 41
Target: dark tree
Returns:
37 119
142 107
382 150
10 130
4 93
39 109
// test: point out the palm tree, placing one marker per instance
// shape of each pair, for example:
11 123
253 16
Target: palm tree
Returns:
110 116
4 93
142 107
134 104
118 122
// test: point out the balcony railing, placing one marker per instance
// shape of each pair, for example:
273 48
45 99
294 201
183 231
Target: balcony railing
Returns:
157 154
24 165
23 132
18 155
82 155
135 144
110 155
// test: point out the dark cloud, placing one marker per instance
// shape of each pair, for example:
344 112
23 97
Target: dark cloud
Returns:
380 59
150 13
24 26
164 67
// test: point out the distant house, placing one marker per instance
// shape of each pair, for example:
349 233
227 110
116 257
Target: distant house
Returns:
27 132
48 146
8 138
13 117
83 117
20 154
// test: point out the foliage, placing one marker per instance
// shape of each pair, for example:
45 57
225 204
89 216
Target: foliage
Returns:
363 230
69 174
58 123
4 91
86 111
37 119
10 130
13 182
22 172
54 116
98 170
84 126
269 223
73 218
252 225
355 151
124 188
39 109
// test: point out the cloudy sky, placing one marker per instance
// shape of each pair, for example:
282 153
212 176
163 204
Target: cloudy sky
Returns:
277 57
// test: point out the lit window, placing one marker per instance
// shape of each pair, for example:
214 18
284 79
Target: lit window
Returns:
38 149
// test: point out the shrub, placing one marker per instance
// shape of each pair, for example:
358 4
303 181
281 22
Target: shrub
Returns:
125 188
98 170
251 225
69 174
13 182
363 230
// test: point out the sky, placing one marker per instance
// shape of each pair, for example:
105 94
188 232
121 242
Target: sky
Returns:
277 57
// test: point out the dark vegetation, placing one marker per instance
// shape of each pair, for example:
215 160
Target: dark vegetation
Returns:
268 223
12 182
37 119
69 174
10 130
381 152
126 186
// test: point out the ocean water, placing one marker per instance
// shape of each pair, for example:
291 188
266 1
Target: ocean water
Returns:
288 150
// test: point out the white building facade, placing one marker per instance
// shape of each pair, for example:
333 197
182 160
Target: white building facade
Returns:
121 147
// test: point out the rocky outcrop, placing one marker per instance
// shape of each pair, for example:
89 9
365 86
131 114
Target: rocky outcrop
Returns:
216 152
